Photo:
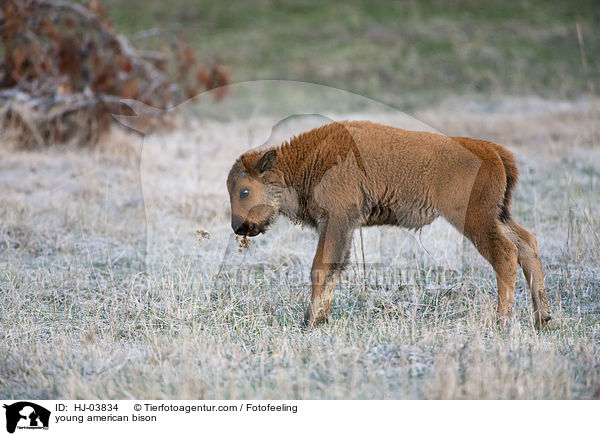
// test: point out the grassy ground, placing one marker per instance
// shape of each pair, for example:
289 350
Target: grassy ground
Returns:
408 54
108 294
106 291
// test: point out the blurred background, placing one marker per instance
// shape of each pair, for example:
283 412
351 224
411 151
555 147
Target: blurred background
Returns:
406 54
77 60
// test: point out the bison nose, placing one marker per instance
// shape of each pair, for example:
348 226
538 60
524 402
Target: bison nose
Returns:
237 224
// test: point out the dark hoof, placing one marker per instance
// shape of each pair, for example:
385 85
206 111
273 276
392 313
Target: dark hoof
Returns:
542 321
309 324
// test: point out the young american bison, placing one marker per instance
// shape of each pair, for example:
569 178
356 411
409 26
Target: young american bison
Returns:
344 175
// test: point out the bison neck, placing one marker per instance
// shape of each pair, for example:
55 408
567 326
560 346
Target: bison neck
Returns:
298 165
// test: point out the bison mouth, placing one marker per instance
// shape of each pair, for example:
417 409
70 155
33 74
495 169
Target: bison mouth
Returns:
254 229
249 229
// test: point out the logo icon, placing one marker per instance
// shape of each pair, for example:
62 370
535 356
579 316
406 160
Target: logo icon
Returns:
26 415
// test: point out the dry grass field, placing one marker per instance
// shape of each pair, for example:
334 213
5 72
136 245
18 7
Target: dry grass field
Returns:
107 290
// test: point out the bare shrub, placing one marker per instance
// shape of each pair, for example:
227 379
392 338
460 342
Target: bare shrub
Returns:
65 71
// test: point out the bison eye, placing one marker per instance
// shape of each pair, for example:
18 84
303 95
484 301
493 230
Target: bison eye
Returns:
244 193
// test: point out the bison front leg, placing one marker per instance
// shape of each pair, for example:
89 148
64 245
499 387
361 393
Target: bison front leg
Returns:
331 256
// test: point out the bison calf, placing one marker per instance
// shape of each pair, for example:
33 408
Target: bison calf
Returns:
344 175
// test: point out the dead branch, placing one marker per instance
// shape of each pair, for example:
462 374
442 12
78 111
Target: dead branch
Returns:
66 71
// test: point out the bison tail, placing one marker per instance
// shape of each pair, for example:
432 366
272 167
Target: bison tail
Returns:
512 176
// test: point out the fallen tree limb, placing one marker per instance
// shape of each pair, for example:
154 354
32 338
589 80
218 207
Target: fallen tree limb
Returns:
65 71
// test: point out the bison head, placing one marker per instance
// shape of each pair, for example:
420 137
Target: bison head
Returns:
254 192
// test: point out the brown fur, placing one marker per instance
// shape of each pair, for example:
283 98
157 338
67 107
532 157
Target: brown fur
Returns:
344 175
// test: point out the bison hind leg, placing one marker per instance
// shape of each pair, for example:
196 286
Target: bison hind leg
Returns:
531 264
489 236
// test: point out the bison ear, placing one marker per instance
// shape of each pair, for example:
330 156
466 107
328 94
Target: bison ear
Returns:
267 161
248 161
257 164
